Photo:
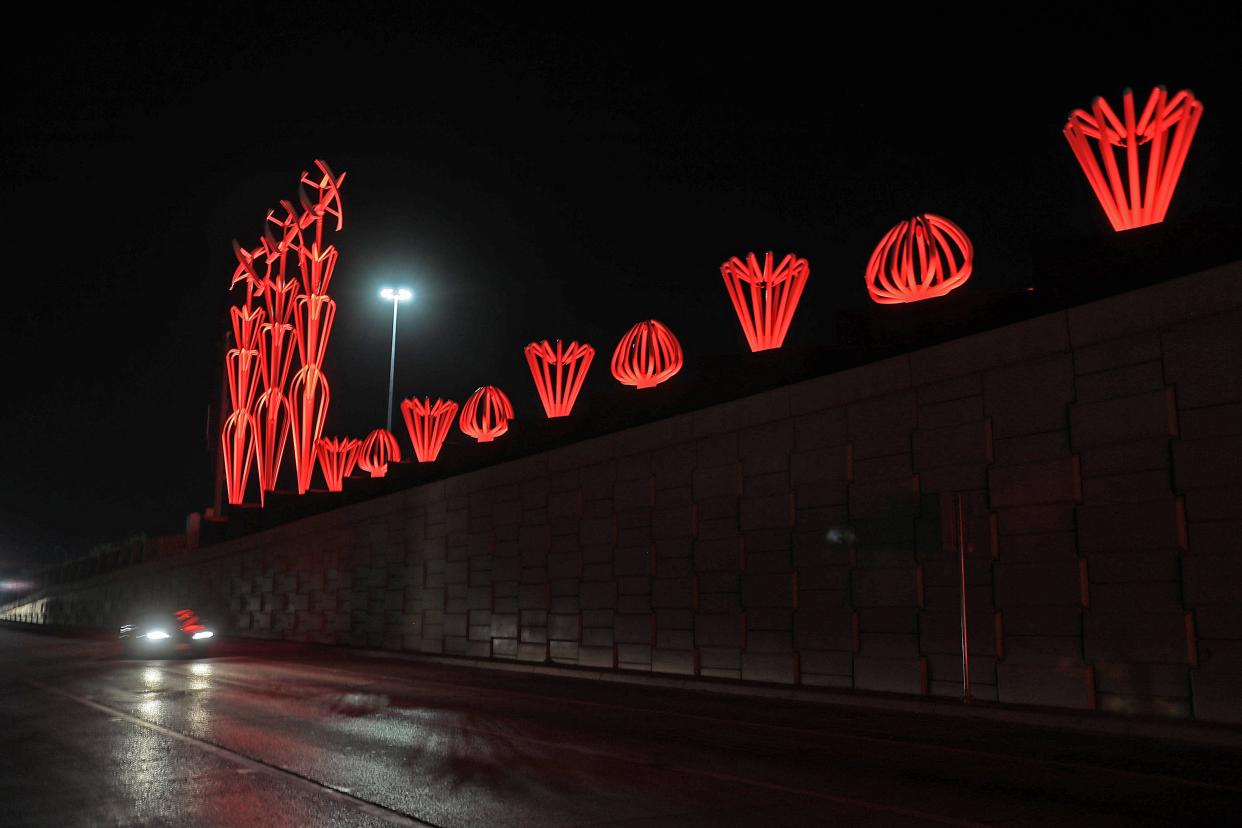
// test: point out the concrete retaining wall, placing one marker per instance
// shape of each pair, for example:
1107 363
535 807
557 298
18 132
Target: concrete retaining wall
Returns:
796 536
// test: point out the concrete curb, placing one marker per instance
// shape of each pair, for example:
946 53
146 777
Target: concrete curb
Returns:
1095 722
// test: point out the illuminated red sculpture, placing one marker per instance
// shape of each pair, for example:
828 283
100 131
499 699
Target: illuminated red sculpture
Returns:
239 435
428 425
921 258
378 450
486 415
1166 126
336 459
765 298
559 373
647 355
299 313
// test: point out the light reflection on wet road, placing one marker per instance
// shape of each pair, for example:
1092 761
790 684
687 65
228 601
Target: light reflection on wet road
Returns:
269 734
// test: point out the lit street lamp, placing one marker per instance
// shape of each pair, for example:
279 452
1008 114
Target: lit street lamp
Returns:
396 297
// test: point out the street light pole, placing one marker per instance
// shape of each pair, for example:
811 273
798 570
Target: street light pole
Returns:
396 297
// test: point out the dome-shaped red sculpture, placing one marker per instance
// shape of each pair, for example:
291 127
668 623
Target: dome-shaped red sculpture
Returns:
558 373
647 355
378 450
486 415
1140 195
428 425
921 258
765 297
337 457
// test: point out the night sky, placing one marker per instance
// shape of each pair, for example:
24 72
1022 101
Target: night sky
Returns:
529 174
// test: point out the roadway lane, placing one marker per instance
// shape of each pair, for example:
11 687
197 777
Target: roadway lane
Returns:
274 734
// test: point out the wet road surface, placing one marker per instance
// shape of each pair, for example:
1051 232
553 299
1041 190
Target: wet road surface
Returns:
273 734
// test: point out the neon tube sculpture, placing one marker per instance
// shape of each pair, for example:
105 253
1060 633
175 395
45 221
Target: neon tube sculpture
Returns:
921 258
486 415
239 434
559 373
647 355
299 309
765 298
1165 127
378 450
428 425
336 459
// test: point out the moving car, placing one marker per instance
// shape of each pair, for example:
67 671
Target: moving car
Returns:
165 634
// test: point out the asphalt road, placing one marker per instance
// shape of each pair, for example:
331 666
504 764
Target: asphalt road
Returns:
274 734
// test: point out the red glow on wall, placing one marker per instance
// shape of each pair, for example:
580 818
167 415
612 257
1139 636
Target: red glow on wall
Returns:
921 258
1140 195
647 355
378 450
486 415
765 297
558 373
337 457
428 425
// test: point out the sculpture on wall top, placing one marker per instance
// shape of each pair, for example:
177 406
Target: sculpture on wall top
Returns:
921 258
1134 193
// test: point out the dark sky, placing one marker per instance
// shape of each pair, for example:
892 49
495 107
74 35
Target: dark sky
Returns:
530 174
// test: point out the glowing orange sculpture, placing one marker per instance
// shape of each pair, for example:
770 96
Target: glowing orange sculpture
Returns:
239 435
486 415
559 373
1134 199
765 298
428 425
921 258
378 450
647 355
336 459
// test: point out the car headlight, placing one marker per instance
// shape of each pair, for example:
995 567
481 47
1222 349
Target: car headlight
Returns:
203 634
156 635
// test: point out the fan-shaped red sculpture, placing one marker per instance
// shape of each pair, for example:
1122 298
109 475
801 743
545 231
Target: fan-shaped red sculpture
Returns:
921 258
558 373
378 450
764 297
1140 195
337 457
647 355
428 424
486 415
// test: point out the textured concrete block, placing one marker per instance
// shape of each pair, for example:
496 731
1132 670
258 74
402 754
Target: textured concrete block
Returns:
1212 579
1068 685
1151 454
1031 448
1217 421
844 387
885 587
1050 481
1049 584
820 429
1123 420
1127 350
1208 464
891 499
1013 343
1029 397
967 443
719 629
1127 381
767 590
770 667
718 555
1140 636
882 425
679 662
1156 524
1215 693
771 512
1132 487
891 675
1201 359
765 448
